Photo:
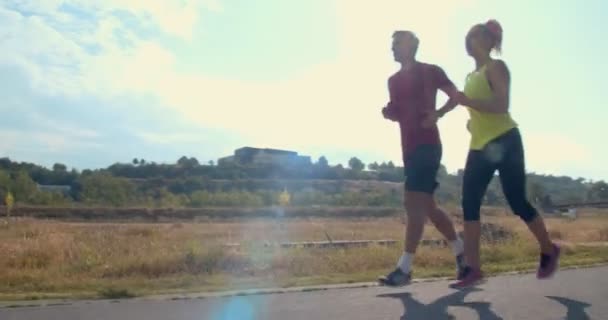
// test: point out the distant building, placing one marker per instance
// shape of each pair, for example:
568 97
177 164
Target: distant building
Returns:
249 155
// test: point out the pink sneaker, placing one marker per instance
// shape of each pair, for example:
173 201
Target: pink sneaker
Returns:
548 264
470 277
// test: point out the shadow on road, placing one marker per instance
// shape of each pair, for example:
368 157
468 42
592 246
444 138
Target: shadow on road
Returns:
438 309
576 309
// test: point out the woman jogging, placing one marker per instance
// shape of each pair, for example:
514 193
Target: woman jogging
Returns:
496 144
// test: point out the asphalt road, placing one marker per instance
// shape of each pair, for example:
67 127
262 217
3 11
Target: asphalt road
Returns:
573 295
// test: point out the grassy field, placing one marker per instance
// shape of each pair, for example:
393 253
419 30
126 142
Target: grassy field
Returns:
52 259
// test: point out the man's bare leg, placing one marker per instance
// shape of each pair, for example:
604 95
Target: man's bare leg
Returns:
443 223
418 206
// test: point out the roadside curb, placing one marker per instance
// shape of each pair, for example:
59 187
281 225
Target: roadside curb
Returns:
357 285
254 292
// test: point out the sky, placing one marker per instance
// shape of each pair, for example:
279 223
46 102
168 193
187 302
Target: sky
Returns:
89 83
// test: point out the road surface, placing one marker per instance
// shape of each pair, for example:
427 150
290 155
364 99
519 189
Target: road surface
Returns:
573 295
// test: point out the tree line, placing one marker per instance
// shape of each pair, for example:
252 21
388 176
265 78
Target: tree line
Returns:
188 183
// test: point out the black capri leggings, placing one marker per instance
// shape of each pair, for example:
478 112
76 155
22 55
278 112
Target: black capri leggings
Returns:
505 154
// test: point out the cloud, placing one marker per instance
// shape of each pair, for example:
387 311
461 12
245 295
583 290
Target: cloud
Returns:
175 18
183 137
62 127
62 69
44 141
170 138
331 107
65 44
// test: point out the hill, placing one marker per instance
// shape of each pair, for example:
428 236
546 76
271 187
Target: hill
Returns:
190 184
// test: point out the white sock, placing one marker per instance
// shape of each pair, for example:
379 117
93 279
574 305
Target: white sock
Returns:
457 246
405 262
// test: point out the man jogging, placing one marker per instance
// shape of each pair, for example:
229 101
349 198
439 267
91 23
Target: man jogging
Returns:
413 91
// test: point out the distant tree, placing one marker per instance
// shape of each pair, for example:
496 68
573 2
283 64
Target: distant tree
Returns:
183 161
339 172
355 164
48 199
443 171
166 199
23 186
5 181
193 162
546 203
186 162
186 185
135 161
536 192
5 163
103 188
573 198
373 166
599 191
322 162
387 166
59 167
211 163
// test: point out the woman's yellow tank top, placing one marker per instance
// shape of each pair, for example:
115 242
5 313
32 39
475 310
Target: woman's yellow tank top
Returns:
484 126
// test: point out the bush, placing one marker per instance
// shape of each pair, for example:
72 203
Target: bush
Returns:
242 198
48 199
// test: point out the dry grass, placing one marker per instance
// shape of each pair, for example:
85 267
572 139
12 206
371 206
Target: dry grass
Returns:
589 228
146 214
49 258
